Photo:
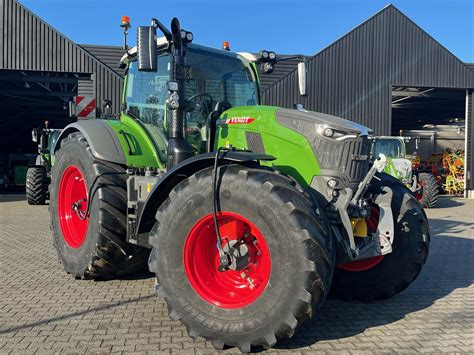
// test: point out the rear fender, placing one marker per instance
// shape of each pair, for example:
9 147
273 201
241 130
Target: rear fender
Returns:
102 139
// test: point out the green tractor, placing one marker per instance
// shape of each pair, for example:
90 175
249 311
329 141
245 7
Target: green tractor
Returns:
420 181
247 214
38 176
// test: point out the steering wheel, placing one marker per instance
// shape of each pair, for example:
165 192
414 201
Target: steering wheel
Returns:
204 105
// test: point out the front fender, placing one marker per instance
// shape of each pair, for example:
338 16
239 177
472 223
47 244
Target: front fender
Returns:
102 139
188 167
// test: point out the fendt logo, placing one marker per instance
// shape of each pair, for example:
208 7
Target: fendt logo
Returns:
239 120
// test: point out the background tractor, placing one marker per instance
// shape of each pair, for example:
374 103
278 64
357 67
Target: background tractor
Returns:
420 180
13 170
247 214
38 176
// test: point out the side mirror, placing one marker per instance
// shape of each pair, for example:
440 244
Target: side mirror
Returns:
302 78
147 53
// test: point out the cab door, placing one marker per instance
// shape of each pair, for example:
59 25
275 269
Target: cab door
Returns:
145 102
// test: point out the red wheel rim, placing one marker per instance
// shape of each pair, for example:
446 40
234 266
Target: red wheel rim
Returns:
72 190
366 264
419 192
231 288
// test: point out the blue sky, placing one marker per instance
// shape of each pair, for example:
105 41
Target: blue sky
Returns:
291 26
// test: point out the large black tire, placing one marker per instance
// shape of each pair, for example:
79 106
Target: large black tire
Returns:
399 268
301 251
430 190
104 254
36 185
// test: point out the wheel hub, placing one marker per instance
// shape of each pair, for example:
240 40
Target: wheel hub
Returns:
72 197
239 254
248 270
78 209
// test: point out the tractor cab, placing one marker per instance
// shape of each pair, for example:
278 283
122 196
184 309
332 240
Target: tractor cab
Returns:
392 147
399 165
215 80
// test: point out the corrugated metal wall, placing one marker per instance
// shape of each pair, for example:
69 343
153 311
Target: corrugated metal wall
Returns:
281 70
469 139
353 77
29 43
86 88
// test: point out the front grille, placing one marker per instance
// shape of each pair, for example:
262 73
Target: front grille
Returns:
348 159
356 158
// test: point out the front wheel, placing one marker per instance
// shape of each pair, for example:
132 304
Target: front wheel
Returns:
383 276
282 257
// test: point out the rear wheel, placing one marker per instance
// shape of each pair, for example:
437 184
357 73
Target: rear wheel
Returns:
92 246
382 277
36 185
429 190
282 261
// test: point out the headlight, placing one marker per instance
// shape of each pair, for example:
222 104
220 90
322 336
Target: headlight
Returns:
329 132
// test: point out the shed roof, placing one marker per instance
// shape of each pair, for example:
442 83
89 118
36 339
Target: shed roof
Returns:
281 70
109 55
353 77
29 43
391 22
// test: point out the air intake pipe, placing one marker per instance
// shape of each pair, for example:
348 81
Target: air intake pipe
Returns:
178 148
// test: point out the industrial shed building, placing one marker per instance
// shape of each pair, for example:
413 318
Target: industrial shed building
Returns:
387 73
41 71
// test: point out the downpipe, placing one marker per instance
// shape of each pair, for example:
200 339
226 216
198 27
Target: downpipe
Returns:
382 240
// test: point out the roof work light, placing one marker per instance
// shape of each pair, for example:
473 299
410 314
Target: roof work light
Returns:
125 24
187 36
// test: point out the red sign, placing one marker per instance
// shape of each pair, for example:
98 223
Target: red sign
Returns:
85 106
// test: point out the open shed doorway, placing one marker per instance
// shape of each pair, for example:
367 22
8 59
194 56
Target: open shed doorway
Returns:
434 122
28 99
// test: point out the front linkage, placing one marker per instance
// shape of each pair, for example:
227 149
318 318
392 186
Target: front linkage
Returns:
380 242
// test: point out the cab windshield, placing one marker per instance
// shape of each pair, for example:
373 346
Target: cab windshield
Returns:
392 148
214 76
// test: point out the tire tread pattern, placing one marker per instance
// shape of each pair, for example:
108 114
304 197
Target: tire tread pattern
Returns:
36 185
430 190
113 257
389 277
307 228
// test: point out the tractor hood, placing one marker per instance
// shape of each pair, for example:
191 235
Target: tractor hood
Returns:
301 119
341 147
